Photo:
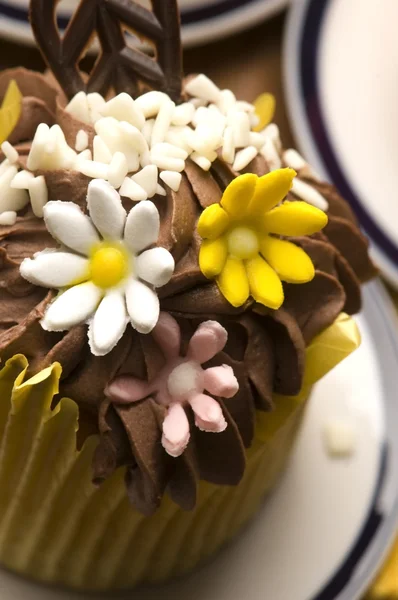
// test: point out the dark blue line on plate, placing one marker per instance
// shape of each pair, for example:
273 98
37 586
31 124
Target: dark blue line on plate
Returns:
309 54
188 16
373 522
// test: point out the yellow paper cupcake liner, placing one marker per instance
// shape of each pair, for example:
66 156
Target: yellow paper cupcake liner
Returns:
55 526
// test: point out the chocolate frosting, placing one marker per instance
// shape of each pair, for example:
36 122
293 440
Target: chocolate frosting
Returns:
265 348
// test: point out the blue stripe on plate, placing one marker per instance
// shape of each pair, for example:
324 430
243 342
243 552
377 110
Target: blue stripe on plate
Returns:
309 53
188 16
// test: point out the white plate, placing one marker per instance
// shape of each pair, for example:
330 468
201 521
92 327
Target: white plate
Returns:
325 530
202 20
341 62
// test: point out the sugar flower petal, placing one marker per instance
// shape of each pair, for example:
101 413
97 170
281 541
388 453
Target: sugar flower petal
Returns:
238 195
295 219
175 430
167 335
233 282
265 285
212 257
213 222
271 189
106 209
290 262
72 307
207 341
108 324
221 381
142 226
126 388
208 413
142 306
156 266
68 225
55 270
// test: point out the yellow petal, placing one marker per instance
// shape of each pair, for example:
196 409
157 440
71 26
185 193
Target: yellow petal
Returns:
290 262
265 285
213 222
212 257
10 111
295 218
271 189
265 110
238 194
233 282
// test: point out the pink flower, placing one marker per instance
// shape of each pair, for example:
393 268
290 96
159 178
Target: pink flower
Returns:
182 382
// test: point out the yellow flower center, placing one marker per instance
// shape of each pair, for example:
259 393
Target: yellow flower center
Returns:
109 265
243 243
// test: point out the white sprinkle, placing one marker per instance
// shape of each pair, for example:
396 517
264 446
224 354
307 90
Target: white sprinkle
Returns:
197 102
101 151
205 139
131 189
254 120
81 140
162 123
4 166
177 137
8 217
201 161
183 114
108 130
309 194
339 438
117 170
9 152
123 108
245 106
226 101
95 103
202 87
270 153
133 137
293 159
151 102
11 199
145 160
78 107
170 150
272 132
37 149
244 157
147 130
52 140
257 140
21 180
38 195
228 151
172 179
93 169
241 126
160 191
147 178
167 163
85 155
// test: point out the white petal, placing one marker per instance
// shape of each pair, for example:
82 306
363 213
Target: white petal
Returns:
108 324
106 209
67 224
72 307
156 266
142 306
54 270
142 226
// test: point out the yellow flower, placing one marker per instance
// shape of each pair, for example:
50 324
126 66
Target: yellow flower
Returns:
10 110
242 247
264 109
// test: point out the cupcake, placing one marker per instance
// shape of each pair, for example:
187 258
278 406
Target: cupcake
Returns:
173 283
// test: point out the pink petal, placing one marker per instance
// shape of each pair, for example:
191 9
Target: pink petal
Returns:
207 341
126 389
221 381
175 431
167 335
208 413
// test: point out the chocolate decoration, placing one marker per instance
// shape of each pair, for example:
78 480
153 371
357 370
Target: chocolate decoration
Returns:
119 67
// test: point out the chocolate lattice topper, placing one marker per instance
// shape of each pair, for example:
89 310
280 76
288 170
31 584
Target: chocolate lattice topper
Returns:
119 67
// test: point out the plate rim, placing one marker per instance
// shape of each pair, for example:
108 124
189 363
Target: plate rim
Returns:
312 133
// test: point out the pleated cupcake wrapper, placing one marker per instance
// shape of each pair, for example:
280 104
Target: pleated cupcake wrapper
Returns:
56 526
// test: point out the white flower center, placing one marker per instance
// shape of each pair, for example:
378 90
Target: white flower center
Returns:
243 243
185 380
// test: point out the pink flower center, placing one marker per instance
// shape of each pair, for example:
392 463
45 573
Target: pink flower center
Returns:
185 380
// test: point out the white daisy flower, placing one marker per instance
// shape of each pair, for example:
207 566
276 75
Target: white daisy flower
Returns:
103 270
